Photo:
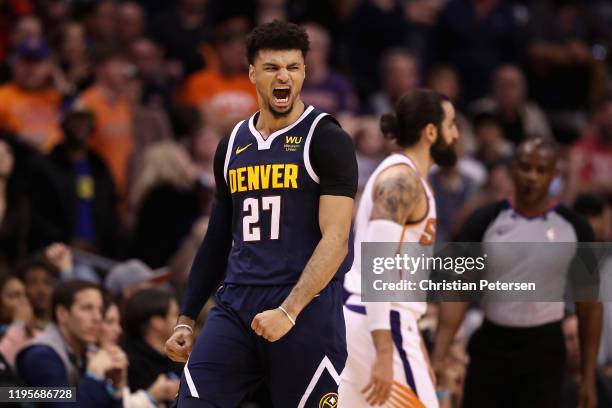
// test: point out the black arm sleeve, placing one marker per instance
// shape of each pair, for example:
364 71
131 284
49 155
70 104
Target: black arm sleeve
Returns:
332 155
583 274
211 259
479 221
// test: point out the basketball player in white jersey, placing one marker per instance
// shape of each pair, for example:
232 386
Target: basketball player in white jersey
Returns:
387 362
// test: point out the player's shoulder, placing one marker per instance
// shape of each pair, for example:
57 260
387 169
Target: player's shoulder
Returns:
584 231
329 126
485 214
329 137
480 220
397 179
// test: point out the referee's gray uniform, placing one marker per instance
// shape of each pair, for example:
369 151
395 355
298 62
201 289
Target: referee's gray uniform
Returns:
517 357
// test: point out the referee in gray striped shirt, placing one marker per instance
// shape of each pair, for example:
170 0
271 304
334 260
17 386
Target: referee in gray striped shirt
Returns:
517 357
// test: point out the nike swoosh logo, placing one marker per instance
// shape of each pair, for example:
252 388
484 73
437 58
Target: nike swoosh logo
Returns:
242 149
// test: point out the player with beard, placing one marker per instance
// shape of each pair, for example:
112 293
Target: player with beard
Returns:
277 237
387 362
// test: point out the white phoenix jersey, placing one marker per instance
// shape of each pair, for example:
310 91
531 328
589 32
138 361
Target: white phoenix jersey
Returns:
422 231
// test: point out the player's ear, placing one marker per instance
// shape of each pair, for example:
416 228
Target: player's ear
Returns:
252 73
431 133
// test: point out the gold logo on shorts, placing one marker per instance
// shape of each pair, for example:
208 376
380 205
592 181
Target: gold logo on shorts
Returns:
329 400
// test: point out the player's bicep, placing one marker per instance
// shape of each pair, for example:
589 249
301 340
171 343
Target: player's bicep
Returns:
335 214
395 196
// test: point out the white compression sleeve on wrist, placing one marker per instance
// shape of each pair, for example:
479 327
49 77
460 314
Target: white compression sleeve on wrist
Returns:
377 313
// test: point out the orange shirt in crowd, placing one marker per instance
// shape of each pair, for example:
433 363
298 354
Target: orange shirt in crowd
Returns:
113 138
32 115
223 95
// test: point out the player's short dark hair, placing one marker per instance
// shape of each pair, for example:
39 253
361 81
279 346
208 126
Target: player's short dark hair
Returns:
413 112
141 307
277 35
541 142
65 294
589 205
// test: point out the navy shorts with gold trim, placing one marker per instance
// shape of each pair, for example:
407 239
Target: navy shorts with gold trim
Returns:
229 360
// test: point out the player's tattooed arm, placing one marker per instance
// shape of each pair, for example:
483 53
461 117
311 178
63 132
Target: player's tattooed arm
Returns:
396 194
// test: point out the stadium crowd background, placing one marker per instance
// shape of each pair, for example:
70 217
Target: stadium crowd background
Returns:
110 112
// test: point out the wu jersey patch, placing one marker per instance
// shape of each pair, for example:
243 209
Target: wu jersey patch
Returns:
292 143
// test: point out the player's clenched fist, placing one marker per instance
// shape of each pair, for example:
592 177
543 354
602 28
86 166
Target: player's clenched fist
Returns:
179 345
271 324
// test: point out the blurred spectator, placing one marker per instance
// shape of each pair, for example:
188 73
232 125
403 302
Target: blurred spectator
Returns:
445 79
400 75
163 389
491 147
370 147
452 190
72 57
131 22
28 28
374 27
149 318
270 10
167 200
13 211
73 193
9 13
16 317
591 158
324 88
421 17
476 37
157 86
103 23
150 125
499 185
519 117
109 100
224 93
29 106
59 356
8 377
127 278
181 32
39 276
566 72
180 263
203 147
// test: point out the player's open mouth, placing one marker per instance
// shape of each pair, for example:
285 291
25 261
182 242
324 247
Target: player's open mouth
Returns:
281 96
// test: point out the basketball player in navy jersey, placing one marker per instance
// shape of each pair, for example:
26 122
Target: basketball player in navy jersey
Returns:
278 238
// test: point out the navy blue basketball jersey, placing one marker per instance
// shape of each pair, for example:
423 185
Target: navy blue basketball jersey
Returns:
275 201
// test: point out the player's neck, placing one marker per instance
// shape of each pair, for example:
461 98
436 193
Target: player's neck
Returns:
267 123
530 208
421 159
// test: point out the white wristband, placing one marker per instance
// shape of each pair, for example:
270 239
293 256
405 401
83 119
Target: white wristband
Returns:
291 319
188 327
